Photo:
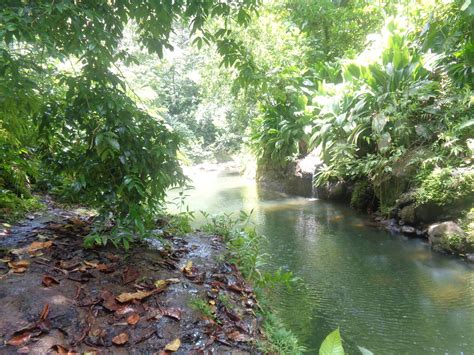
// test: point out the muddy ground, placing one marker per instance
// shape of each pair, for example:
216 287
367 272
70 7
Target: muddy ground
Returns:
180 296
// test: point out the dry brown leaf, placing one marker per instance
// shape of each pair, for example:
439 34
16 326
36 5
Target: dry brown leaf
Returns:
44 312
48 281
19 266
238 337
139 295
172 313
133 319
106 267
35 246
109 301
173 280
173 345
112 257
120 339
130 274
68 265
61 350
90 263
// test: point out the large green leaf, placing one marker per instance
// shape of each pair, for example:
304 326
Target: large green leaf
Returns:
332 345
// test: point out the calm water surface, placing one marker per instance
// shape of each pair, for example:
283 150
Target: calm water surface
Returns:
387 293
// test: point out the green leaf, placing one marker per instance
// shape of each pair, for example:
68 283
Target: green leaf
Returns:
332 345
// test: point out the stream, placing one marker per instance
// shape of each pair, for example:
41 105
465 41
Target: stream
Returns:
387 293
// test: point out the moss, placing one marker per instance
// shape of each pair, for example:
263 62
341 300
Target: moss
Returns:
363 196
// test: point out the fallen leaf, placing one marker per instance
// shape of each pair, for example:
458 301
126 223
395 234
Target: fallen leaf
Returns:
90 263
124 309
44 312
19 266
112 257
107 268
48 281
173 345
238 337
129 275
120 339
133 319
35 246
188 268
173 280
20 339
161 283
172 313
235 288
68 265
109 301
61 350
139 295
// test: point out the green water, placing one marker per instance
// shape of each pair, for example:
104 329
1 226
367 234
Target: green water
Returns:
387 293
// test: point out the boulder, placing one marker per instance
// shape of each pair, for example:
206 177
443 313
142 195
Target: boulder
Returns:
449 237
407 214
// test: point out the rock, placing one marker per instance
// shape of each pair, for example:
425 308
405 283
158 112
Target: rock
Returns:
407 214
470 257
448 237
335 191
408 230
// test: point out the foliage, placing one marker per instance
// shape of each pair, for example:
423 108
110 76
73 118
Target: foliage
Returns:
12 208
362 196
201 305
445 186
279 340
61 83
332 344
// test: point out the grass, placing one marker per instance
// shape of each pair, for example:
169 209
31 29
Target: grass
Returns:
201 305
243 243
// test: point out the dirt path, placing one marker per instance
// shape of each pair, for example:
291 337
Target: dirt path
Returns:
57 296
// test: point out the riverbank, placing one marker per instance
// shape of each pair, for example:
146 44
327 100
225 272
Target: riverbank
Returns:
174 294
448 229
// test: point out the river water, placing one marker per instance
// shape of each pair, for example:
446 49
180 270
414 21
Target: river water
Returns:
387 293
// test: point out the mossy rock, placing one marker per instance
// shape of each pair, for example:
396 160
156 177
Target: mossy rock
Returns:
408 214
449 237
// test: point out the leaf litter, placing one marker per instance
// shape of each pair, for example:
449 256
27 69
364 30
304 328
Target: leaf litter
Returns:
100 299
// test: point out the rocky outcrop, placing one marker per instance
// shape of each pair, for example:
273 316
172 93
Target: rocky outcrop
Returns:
294 179
449 237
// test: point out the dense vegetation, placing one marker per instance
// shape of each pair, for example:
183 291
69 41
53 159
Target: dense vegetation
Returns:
100 101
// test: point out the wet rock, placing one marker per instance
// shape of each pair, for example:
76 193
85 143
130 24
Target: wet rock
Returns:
408 230
470 257
335 191
449 237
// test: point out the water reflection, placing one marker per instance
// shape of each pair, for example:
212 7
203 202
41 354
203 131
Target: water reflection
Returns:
387 293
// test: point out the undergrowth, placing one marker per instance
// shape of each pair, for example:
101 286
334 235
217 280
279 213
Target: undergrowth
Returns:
13 208
244 244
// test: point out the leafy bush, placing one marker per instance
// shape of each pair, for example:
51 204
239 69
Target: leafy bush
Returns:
12 207
445 186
